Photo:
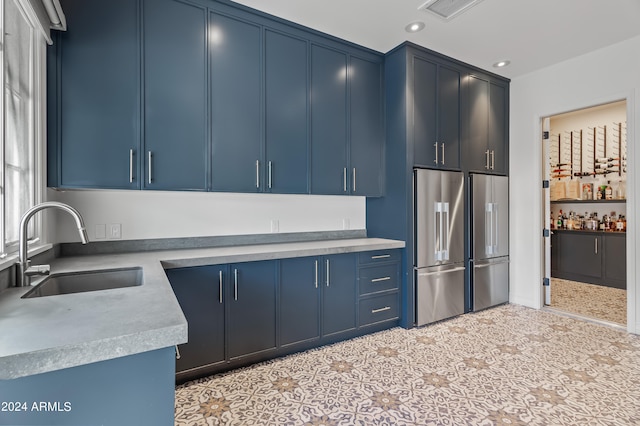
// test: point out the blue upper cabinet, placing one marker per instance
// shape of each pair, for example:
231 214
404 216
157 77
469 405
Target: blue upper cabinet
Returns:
436 114
329 166
210 95
286 114
347 124
175 94
97 97
487 146
236 104
367 127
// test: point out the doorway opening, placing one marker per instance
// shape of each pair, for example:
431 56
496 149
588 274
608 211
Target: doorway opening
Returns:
585 154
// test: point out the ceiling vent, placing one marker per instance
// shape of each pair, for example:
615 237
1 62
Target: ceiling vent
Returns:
448 9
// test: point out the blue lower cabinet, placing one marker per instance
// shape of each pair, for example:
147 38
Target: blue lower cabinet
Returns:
200 292
339 294
251 308
300 287
131 390
247 312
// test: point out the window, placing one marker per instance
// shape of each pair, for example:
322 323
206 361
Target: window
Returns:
20 73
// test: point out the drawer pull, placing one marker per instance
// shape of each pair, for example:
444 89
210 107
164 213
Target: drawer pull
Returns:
377 280
381 256
386 308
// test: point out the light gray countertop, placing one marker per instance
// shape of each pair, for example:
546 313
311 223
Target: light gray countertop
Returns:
43 334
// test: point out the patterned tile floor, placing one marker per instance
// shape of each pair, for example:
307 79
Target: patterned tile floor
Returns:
593 301
507 365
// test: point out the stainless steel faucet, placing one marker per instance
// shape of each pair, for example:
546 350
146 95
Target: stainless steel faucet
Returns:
24 271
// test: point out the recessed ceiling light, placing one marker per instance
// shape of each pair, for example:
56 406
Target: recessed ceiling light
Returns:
414 27
501 64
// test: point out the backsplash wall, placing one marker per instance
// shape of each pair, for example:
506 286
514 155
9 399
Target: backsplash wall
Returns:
161 214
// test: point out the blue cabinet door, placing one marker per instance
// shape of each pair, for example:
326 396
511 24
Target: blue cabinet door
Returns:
425 105
477 150
99 97
498 128
449 96
199 291
251 308
300 283
175 94
339 294
236 104
328 121
286 114
367 127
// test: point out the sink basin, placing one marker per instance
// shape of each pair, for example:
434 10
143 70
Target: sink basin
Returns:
78 282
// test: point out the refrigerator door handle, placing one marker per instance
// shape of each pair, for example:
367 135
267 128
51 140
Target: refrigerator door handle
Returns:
495 214
437 209
445 232
488 233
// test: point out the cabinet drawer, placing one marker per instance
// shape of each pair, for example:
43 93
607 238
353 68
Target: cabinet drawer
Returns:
378 278
379 308
378 256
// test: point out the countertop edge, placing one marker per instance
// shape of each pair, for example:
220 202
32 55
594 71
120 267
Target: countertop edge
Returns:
59 358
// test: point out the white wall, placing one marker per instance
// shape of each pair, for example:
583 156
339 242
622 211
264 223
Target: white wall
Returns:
602 76
159 214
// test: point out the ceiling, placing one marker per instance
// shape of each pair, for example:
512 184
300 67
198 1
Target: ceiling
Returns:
532 34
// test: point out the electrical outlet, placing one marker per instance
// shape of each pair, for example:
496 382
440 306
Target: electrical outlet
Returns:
346 223
101 231
275 225
115 231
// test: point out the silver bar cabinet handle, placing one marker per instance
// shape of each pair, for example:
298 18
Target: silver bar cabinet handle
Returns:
486 153
270 174
386 308
354 179
436 146
377 280
381 256
150 155
220 286
344 179
316 280
327 280
177 352
235 284
257 173
493 159
596 244
131 171
442 161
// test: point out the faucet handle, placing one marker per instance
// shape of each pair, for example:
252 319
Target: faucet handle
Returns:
37 270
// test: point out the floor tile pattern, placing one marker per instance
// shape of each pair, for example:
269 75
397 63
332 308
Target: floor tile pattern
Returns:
589 300
508 365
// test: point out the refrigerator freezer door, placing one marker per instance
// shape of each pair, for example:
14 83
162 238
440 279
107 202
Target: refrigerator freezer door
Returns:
439 293
490 283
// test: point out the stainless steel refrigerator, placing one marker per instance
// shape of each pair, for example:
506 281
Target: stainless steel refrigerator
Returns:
439 244
490 240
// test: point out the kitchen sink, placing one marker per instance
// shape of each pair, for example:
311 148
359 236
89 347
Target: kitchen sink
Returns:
83 281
